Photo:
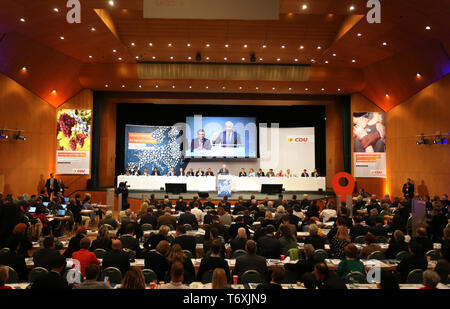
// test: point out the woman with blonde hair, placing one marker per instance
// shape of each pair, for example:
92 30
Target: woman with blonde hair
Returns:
103 240
133 280
154 239
219 279
339 242
143 210
176 254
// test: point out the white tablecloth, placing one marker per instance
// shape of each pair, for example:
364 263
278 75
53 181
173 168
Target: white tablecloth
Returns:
209 183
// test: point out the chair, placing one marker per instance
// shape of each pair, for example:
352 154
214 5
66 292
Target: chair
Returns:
100 253
433 254
251 276
293 253
415 277
188 227
188 254
36 272
376 255
131 254
355 277
381 239
207 276
320 255
360 240
401 255
114 275
13 277
147 227
238 253
150 276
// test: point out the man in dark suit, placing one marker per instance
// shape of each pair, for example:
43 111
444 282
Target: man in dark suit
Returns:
13 259
215 224
9 217
136 172
269 247
156 260
233 230
213 261
188 218
167 219
53 279
155 172
251 261
51 185
358 229
378 229
186 242
227 138
318 242
209 172
209 203
327 280
423 240
43 257
416 260
180 204
129 241
200 143
117 258
408 189
305 173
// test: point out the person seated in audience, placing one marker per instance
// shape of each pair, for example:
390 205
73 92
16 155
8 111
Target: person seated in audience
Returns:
238 243
260 213
305 173
315 173
219 280
280 174
248 219
213 234
13 259
396 224
166 203
213 261
279 213
180 205
207 217
360 204
327 279
314 239
350 262
116 257
251 261
53 279
286 238
74 242
103 241
285 220
239 206
129 241
422 239
133 280
305 264
297 211
443 264
20 231
221 230
358 229
209 203
328 213
91 283
436 223
143 210
305 202
416 260
199 173
309 281
167 218
84 256
373 204
190 173
176 254
156 260
224 217
188 218
195 199
370 247
225 204
396 244
177 277
137 229
270 173
251 173
339 242
186 242
149 218
269 246
388 280
378 229
195 209
108 220
268 219
260 173
43 256
313 211
430 280
278 274
4 275
242 173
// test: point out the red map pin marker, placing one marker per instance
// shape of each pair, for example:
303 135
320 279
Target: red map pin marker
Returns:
343 191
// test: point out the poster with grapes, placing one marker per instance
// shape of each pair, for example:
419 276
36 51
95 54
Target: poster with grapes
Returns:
73 137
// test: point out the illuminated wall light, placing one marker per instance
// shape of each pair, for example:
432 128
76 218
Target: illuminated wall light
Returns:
264 46
206 87
92 29
225 58
24 69
359 34
339 89
245 45
171 57
188 44
353 60
386 95
323 89
62 38
334 55
301 46
384 43
304 7
260 59
207 45
120 58
312 60
240 87
90 57
290 89
156 86
132 44
123 86
326 61
170 44
296 60
243 59
137 57
153 57
140 86
189 58
319 47
207 58
106 86
306 89
22 20
278 59
114 51
54 91
223 87
273 88
282 46
173 86
418 75
150 44
257 88
226 45
111 3
190 87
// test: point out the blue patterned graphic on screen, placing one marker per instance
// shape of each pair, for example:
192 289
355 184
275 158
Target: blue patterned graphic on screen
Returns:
153 146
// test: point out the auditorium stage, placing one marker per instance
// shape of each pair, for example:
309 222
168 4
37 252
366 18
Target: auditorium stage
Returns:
312 195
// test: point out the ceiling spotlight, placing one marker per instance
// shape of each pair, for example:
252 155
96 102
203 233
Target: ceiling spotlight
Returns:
326 61
339 89
22 20
273 88
225 58
257 88
190 87
264 46
153 57
240 87
428 28
56 9
312 60
24 69
123 86
173 86
306 89
188 44
62 38
384 43
189 58
386 95
54 91
90 57
206 87
114 51
106 86
170 44
243 59
296 60
207 58
301 47
334 55
245 45
226 45
304 7
278 59
282 46
359 34
319 47
111 3
207 45
120 58
171 57
290 89
92 29
150 44
132 44
351 8
156 86
140 86
137 57
323 89
223 87
418 75
198 57
260 59
252 58
353 60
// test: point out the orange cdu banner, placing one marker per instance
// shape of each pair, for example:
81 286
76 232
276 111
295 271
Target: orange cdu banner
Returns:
141 138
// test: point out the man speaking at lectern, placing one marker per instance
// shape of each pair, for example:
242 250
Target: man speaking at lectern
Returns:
227 138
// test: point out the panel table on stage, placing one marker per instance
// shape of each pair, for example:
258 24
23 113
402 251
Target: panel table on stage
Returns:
289 183
155 183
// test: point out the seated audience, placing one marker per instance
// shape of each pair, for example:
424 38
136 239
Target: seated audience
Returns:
339 242
213 261
133 280
13 259
304 265
53 279
108 220
370 247
430 280
156 260
417 260
278 274
91 283
358 229
154 239
443 264
186 242
251 261
396 245
74 242
287 239
378 229
176 254
328 213
188 218
423 240
103 241
129 241
4 274
44 256
314 239
238 243
176 276
84 256
269 246
167 219
219 279
116 257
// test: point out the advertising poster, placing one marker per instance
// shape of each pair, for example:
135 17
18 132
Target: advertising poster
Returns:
369 139
73 138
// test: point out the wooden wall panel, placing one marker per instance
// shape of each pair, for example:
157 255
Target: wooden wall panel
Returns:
83 100
26 164
108 144
372 185
428 165
334 154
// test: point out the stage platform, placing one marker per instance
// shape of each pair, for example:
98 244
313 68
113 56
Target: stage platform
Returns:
312 195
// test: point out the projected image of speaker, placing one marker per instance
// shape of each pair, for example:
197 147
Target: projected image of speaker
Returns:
271 189
176 188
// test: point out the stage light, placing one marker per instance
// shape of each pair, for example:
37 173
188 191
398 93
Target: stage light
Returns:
19 137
